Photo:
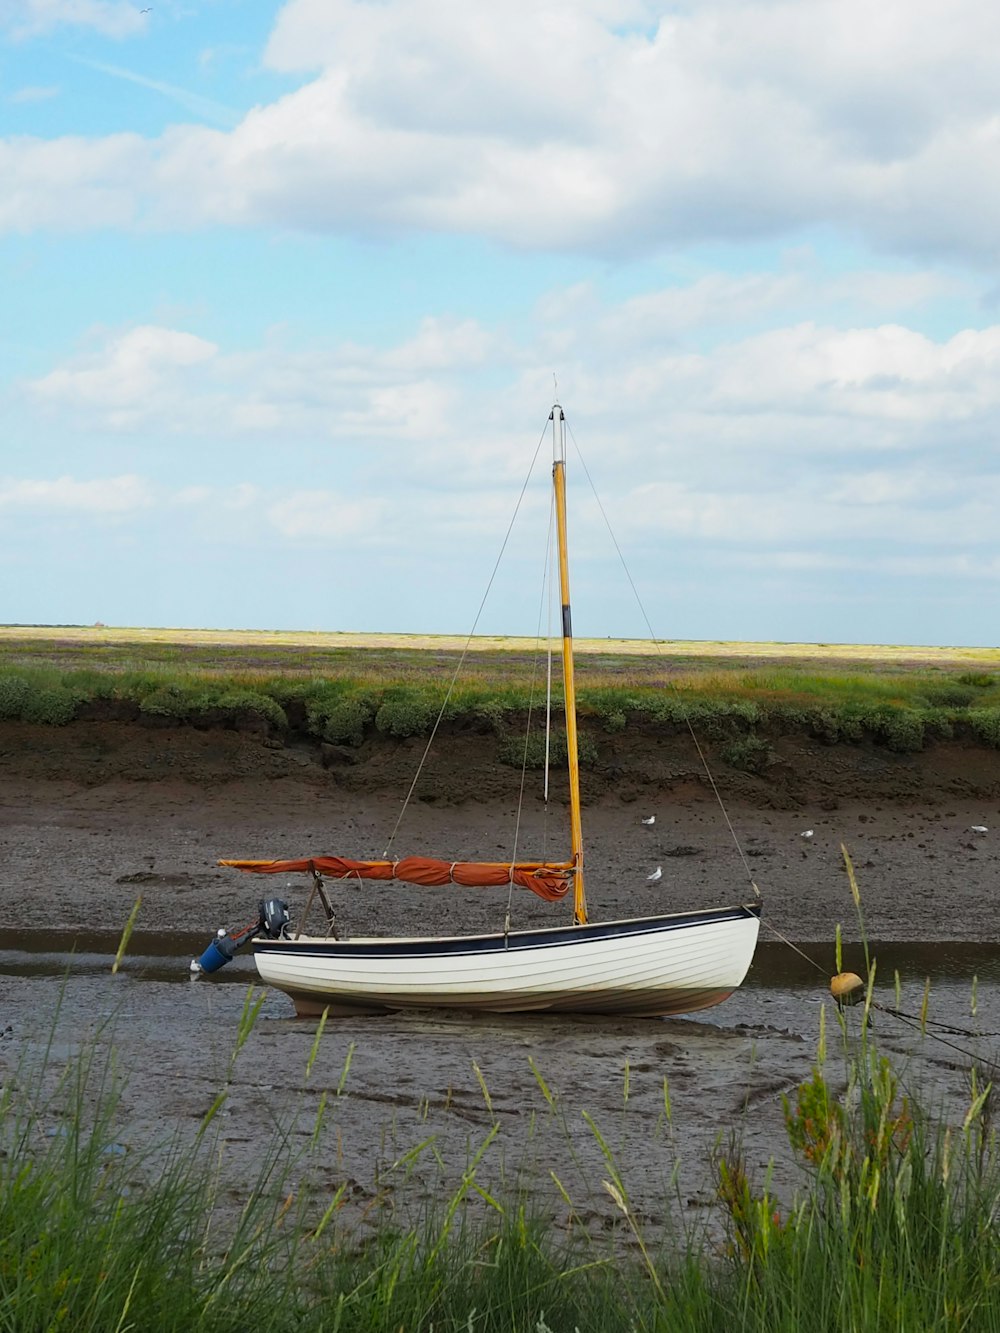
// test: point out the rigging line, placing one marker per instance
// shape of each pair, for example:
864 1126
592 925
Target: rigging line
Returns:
658 647
785 940
465 650
912 1019
915 1023
933 1023
531 701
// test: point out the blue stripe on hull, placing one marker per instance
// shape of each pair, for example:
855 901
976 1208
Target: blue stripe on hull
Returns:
458 945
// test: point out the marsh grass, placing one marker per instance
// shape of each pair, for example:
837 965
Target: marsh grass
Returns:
892 1223
349 688
364 697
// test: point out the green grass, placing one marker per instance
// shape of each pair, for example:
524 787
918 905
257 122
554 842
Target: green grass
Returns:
347 689
741 709
889 1222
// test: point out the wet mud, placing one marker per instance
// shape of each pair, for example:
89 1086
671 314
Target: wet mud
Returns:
92 821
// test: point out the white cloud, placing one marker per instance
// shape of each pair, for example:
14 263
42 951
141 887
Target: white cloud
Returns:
604 126
127 380
445 344
325 518
111 18
192 495
747 516
962 569
242 496
111 495
134 378
800 442
72 183
36 93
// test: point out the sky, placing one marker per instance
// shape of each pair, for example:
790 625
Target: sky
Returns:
287 291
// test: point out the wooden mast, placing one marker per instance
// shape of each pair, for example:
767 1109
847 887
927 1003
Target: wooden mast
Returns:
569 688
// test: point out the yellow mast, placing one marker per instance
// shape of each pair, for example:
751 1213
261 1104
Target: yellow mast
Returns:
569 688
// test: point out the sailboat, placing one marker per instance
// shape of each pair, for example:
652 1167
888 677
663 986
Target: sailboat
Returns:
640 967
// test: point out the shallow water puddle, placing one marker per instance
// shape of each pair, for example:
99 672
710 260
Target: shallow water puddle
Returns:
165 956
151 956
782 994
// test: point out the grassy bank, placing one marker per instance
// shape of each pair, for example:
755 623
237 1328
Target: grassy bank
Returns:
367 695
889 1223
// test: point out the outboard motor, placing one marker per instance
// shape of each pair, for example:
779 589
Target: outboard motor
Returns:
272 921
218 953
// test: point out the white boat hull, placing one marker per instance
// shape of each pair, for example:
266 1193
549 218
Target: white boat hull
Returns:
641 968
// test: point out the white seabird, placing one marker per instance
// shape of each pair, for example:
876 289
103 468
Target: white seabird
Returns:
657 874
978 828
650 820
808 833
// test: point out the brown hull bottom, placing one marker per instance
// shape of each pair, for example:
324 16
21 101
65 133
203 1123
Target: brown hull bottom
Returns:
635 1006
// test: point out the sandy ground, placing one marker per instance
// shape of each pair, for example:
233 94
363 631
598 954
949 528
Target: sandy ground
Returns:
81 838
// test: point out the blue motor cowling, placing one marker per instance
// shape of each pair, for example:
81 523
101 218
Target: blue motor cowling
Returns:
272 921
218 953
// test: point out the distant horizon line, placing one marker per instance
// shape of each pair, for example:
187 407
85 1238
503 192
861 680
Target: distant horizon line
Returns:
585 643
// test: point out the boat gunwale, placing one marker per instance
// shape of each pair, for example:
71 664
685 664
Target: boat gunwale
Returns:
513 941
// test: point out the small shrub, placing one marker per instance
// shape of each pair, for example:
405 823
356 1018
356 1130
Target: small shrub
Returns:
341 721
851 721
406 714
517 750
14 694
168 701
52 706
824 726
749 754
250 701
951 695
495 712
981 680
718 718
903 731
985 725
938 724
611 707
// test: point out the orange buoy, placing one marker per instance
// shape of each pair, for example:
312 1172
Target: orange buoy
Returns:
847 988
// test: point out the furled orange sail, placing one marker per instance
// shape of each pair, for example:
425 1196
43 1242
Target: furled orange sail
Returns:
547 880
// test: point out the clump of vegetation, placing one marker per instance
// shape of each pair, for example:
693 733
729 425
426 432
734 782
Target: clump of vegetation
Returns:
749 754
194 701
341 717
952 694
42 697
407 712
528 749
52 707
15 691
984 723
347 695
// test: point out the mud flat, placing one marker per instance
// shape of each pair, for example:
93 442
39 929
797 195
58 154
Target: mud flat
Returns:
92 816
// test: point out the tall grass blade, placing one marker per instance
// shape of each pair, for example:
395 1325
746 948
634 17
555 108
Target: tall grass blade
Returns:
126 934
